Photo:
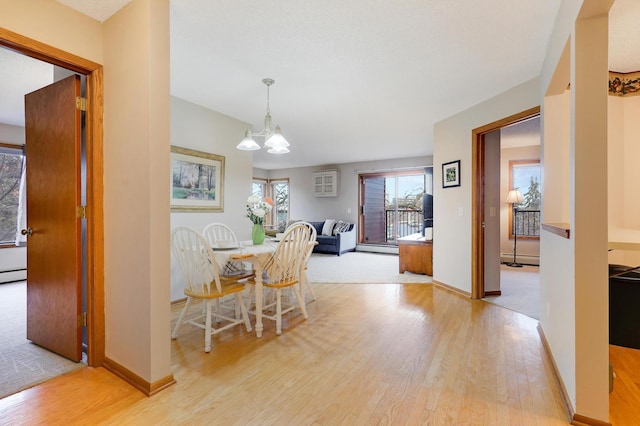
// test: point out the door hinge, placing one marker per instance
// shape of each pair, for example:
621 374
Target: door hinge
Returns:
82 320
81 212
81 103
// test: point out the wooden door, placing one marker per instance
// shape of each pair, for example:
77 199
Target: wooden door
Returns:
54 273
491 214
372 210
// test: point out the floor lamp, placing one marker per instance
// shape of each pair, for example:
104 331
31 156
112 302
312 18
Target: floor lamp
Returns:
514 198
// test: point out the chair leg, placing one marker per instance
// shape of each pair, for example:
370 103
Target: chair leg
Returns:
279 311
305 284
300 298
176 329
243 309
207 331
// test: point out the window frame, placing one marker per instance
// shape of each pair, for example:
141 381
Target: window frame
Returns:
522 163
6 148
268 190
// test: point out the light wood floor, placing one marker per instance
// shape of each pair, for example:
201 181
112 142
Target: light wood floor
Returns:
624 401
368 354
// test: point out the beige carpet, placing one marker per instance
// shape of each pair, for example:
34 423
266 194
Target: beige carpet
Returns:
520 289
360 267
23 364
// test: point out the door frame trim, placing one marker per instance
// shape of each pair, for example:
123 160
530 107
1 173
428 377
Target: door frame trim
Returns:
477 194
95 189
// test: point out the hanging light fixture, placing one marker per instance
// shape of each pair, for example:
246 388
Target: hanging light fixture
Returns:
274 140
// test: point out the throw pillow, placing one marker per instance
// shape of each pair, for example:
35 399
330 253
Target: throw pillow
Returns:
341 226
327 229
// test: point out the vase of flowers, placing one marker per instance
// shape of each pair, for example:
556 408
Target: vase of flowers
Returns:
257 210
257 234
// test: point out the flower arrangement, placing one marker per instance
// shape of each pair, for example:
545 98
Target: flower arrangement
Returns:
258 209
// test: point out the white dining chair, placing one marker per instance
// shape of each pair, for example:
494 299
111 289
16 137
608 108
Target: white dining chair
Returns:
204 282
283 271
305 285
220 235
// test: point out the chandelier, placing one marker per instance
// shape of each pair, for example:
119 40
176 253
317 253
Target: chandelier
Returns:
274 140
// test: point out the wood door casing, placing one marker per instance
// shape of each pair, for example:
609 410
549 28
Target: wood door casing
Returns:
95 184
54 273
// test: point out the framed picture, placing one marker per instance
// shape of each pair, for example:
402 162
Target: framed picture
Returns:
197 181
451 174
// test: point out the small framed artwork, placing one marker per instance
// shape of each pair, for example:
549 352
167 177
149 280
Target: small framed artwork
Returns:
451 174
197 181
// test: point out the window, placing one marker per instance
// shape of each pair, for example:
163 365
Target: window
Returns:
391 205
524 175
278 191
10 172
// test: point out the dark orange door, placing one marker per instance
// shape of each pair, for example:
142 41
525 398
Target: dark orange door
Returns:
54 274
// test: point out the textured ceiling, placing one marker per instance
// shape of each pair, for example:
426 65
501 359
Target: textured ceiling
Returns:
356 80
624 36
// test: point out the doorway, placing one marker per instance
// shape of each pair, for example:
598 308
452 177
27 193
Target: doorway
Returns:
480 188
94 202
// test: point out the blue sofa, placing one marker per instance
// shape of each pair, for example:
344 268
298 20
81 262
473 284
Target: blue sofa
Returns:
336 244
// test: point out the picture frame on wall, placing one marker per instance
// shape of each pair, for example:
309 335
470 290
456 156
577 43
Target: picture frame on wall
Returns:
451 174
197 181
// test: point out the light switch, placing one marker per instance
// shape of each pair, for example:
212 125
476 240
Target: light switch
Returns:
460 213
492 211
349 211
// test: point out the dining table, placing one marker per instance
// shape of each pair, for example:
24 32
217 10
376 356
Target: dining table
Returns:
258 256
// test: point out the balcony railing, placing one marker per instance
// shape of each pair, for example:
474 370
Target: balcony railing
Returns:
402 222
527 223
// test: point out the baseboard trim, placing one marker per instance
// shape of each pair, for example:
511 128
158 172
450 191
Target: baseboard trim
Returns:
493 293
579 420
178 301
452 289
574 419
566 400
136 381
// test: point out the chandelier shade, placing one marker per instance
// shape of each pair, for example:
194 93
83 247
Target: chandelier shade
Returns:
274 141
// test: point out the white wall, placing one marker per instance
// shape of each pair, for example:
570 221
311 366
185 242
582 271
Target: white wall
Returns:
305 206
452 208
557 277
573 296
201 129
624 173
136 195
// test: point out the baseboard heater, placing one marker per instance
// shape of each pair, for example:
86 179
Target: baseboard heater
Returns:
525 259
12 275
372 248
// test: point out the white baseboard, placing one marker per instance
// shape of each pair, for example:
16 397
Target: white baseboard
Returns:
377 249
13 276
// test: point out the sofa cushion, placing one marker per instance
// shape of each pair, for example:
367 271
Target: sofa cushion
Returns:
327 229
318 226
341 226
